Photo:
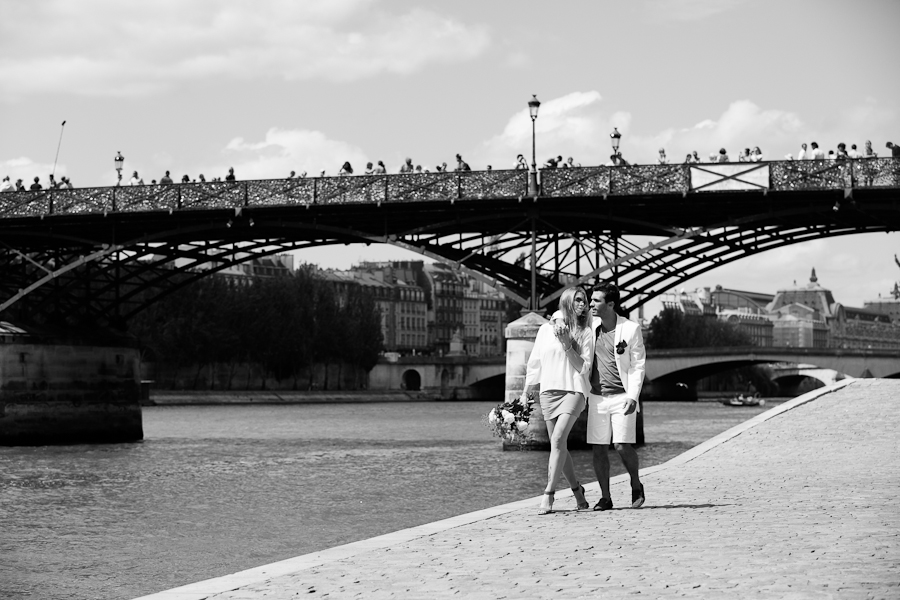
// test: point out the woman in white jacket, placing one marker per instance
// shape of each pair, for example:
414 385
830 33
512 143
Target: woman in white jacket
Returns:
559 367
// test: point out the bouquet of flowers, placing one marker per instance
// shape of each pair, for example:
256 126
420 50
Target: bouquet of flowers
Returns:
509 420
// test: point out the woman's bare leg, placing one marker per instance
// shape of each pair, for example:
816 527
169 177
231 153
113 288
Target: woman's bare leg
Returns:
568 469
558 429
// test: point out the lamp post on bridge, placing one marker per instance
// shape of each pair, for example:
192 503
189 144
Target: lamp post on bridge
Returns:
615 137
119 161
533 105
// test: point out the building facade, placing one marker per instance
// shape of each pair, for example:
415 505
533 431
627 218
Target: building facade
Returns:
277 265
744 310
401 302
800 316
431 308
813 308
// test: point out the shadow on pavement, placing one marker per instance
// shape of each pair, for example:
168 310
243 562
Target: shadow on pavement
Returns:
650 507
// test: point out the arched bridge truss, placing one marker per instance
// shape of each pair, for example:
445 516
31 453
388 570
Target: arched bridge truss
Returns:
104 254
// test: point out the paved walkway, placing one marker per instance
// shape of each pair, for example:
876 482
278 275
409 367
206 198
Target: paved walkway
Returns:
800 503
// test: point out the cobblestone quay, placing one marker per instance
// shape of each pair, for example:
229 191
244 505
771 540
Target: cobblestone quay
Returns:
799 502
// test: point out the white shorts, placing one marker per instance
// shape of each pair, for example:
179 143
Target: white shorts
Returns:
607 421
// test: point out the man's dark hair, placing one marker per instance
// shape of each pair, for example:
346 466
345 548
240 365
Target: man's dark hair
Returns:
609 290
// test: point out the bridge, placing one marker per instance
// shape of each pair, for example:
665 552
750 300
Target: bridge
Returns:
691 364
447 377
100 255
463 377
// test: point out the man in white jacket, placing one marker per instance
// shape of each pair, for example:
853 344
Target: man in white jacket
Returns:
616 379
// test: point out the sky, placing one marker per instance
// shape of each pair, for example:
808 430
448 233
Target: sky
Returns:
270 86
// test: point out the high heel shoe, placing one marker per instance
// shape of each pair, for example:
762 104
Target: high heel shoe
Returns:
546 510
580 505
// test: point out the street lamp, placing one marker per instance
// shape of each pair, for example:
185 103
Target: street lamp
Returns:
615 137
533 105
119 160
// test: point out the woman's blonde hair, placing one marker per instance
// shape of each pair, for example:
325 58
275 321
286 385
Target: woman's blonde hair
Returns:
574 323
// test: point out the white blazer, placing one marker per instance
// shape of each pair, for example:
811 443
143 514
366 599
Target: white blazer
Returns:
631 361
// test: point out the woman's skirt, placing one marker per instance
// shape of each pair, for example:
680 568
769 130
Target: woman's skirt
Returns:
561 402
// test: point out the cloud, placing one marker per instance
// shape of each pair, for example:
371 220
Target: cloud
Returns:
283 151
743 124
572 125
26 169
518 60
105 47
689 10
577 125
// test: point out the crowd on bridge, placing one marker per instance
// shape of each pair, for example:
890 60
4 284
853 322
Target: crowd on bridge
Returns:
7 186
812 151
807 152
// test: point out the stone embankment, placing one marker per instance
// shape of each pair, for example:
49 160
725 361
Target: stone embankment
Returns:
798 502
179 398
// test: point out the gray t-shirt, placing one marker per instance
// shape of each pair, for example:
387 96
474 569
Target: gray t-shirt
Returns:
605 378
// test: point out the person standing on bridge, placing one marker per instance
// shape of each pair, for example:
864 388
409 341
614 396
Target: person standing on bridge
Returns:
894 148
868 152
616 378
558 367
816 152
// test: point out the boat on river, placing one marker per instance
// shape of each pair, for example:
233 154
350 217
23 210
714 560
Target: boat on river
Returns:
742 400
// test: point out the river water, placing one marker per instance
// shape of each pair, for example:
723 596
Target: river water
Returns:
216 489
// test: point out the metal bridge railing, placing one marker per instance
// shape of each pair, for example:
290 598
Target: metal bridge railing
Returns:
463 186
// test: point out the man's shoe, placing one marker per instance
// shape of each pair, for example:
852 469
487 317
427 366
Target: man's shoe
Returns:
637 497
603 504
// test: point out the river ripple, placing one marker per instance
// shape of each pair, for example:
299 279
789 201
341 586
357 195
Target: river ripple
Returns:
216 489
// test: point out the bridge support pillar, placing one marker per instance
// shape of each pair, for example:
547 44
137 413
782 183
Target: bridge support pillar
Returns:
520 336
68 394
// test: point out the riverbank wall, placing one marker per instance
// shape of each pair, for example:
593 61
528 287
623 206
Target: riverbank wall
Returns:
189 398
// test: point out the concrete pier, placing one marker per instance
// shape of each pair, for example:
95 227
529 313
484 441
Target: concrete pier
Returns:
798 502
67 393
520 336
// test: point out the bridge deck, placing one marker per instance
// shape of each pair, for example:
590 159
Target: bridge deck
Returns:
640 199
107 253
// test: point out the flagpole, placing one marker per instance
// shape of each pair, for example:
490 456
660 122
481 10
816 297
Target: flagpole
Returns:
61 129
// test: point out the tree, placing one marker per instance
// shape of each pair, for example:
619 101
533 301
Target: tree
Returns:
278 327
364 328
279 343
671 328
192 326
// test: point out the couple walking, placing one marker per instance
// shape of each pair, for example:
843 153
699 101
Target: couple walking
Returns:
588 356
